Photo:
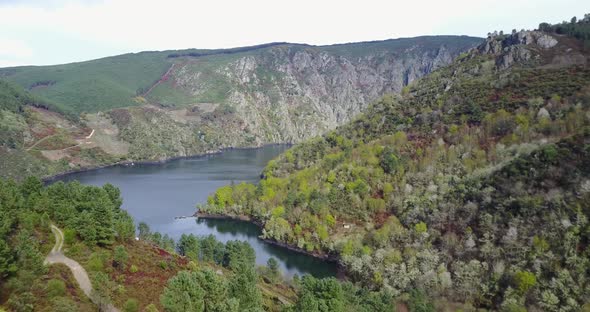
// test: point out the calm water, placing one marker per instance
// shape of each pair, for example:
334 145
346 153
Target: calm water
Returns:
155 194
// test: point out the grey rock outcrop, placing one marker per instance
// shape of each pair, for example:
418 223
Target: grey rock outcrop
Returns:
515 48
289 93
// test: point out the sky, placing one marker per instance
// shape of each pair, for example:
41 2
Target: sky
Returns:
45 32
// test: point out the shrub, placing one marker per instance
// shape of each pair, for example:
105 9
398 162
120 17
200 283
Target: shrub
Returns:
56 288
151 308
69 236
131 305
133 269
419 302
120 257
61 304
96 262
524 280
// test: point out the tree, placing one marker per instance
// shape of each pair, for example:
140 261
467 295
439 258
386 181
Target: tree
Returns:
419 302
188 246
524 280
7 265
242 286
103 215
212 249
102 288
124 226
144 231
215 290
389 160
238 253
273 268
320 295
183 293
120 257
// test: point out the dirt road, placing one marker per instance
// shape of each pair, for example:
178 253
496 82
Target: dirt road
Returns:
56 256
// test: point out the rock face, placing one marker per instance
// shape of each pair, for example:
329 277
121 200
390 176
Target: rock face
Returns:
288 93
515 48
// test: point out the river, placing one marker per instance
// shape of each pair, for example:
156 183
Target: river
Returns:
156 194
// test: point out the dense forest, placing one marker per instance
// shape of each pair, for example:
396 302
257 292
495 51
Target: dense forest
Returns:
203 274
472 186
469 190
579 29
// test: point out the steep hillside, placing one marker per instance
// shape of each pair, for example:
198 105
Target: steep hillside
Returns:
147 273
471 186
159 105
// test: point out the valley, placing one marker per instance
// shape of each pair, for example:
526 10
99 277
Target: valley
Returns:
432 173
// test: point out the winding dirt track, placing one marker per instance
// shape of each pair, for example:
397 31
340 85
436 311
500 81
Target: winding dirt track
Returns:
57 256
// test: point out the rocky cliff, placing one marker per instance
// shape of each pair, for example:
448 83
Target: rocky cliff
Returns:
287 93
159 105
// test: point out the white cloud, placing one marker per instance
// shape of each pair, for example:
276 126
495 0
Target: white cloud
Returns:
14 48
134 25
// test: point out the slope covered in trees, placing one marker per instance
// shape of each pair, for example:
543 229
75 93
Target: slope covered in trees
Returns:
151 274
152 106
472 186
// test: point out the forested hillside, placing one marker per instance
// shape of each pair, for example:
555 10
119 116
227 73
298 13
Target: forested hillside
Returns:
153 106
472 186
152 273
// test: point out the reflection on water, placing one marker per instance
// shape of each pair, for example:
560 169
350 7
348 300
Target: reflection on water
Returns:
156 194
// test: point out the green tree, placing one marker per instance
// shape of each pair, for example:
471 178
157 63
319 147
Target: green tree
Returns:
242 286
124 226
524 280
238 253
389 160
320 295
273 268
102 288
188 245
419 302
183 293
120 257
144 231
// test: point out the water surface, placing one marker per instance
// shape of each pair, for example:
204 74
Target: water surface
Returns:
156 194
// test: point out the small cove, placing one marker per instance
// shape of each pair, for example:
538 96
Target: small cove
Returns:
157 193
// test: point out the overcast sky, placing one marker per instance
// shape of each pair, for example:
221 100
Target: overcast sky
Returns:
42 32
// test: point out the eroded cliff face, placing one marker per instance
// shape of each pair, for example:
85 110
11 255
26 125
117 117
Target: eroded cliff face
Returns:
290 93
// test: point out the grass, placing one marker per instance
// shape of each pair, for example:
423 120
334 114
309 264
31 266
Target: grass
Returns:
95 85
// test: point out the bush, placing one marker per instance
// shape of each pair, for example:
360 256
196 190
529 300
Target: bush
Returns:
62 304
419 302
55 288
131 305
151 308
133 269
96 262
120 257
524 280
69 236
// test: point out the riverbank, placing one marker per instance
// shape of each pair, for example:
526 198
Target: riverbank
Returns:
322 256
126 163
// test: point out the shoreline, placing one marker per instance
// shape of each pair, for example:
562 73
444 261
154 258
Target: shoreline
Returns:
325 257
127 163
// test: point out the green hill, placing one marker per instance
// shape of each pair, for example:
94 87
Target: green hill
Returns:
158 105
113 82
472 186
